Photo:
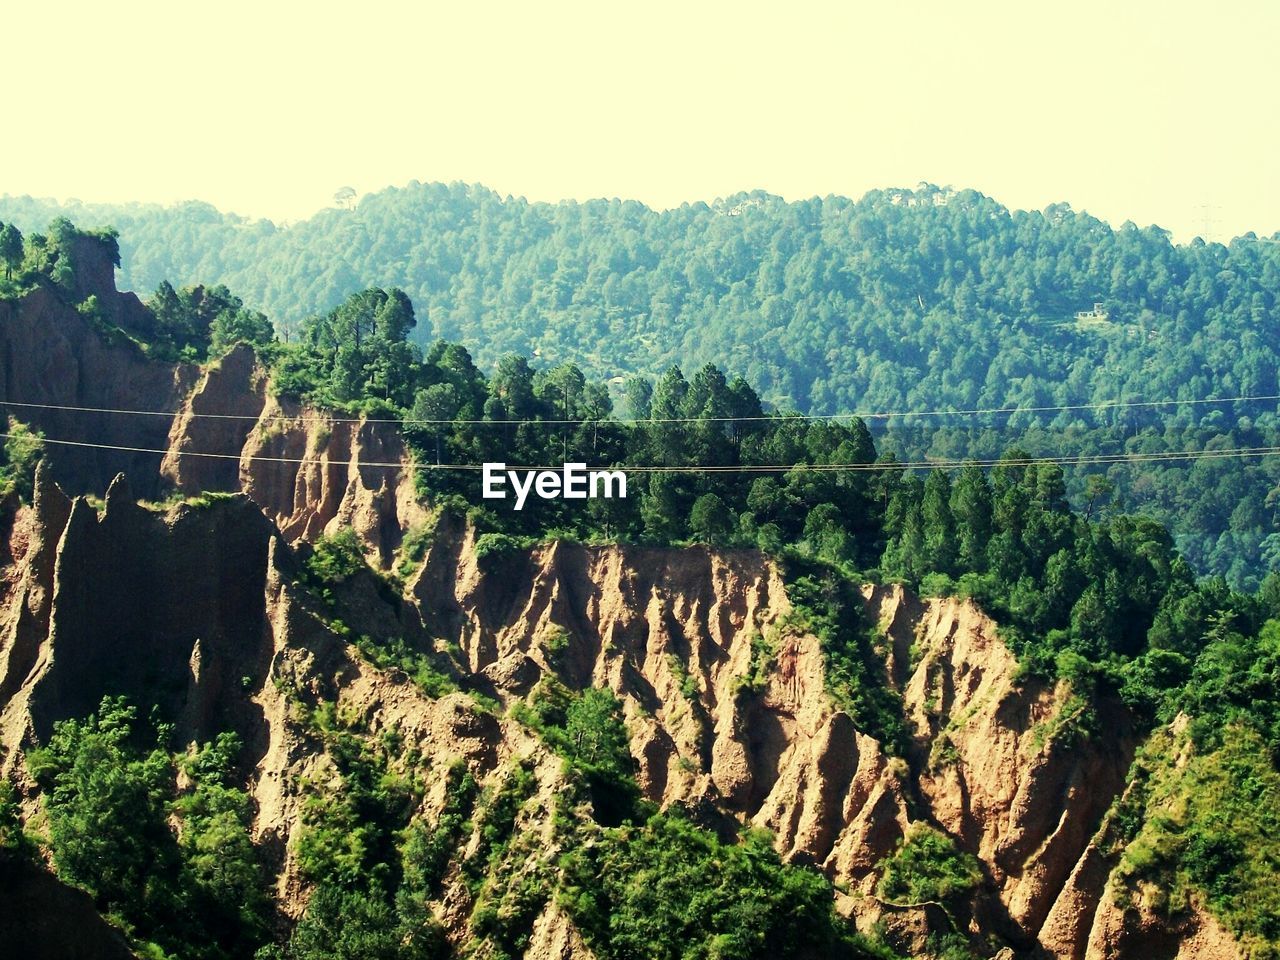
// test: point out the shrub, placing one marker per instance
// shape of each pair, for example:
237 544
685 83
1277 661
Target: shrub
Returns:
927 866
113 804
669 890
22 451
336 558
937 585
827 604
414 547
14 843
587 730
490 546
421 667
348 925
426 850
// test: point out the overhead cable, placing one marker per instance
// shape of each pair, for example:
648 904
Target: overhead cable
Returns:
635 421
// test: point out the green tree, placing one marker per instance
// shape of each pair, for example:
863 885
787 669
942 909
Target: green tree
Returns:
434 408
216 819
595 733
1097 490
669 890
239 325
61 251
639 395
513 385
938 522
660 508
107 807
825 533
11 249
22 452
710 521
196 320
360 348
971 508
349 925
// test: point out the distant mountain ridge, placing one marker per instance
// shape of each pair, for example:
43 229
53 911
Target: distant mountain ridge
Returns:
400 729
905 299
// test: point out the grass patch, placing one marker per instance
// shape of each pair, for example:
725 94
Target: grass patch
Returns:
826 603
396 654
1210 828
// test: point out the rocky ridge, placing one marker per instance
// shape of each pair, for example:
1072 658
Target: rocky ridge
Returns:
226 637
187 429
196 604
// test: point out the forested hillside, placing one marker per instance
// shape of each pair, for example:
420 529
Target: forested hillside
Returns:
901 301
811 705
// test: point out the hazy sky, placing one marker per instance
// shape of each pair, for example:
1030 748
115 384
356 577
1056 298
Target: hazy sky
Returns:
1155 112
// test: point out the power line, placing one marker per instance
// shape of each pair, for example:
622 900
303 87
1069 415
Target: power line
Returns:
893 465
229 456
633 421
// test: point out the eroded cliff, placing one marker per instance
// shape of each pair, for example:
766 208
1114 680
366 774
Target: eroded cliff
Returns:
200 607
186 428
197 603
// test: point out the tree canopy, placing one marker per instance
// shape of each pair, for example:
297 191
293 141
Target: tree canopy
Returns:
903 300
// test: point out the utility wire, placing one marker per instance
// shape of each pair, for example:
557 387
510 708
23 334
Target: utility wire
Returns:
633 421
891 465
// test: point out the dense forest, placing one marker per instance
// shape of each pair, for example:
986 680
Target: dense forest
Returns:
1099 590
1096 597
905 300
1099 595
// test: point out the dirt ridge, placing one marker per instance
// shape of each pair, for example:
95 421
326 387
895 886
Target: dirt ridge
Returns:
198 605
220 426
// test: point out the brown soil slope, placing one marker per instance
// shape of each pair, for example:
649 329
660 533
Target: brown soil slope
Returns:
198 608
213 429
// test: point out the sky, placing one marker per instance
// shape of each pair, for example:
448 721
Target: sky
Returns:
1158 113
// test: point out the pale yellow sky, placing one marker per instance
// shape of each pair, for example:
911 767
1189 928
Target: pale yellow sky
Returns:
1155 112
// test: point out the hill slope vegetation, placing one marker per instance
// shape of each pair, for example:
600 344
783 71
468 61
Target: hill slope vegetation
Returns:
905 300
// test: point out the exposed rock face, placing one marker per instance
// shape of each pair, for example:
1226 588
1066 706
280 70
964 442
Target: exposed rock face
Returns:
217 416
197 608
50 355
164 608
1126 930
31 552
556 938
997 764
44 919
670 631
217 428
315 474
1065 931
